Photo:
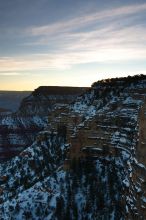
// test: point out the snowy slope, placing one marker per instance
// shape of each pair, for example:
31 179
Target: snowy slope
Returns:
18 130
101 181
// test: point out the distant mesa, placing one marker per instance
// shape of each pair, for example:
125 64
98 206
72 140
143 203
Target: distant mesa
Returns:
18 130
60 90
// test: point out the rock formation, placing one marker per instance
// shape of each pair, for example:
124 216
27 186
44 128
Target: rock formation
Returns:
89 163
18 130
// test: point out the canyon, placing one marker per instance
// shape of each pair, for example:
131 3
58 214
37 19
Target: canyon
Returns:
87 160
18 129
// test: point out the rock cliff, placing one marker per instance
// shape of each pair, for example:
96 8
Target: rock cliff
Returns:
18 130
88 164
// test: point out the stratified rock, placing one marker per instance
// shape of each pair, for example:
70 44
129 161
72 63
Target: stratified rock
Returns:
18 130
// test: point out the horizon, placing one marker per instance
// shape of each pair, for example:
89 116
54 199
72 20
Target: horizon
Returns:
70 43
62 86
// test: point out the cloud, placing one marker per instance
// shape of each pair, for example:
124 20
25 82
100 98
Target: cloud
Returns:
10 74
100 37
65 60
86 20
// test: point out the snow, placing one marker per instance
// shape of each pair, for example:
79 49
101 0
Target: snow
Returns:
123 140
126 182
144 199
55 181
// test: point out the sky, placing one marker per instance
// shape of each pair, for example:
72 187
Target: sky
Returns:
70 42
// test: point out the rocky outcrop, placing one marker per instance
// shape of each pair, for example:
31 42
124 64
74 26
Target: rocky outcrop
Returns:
89 165
106 127
18 130
45 98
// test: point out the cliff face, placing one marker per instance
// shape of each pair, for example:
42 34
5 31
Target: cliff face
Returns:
45 98
18 130
141 148
88 164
